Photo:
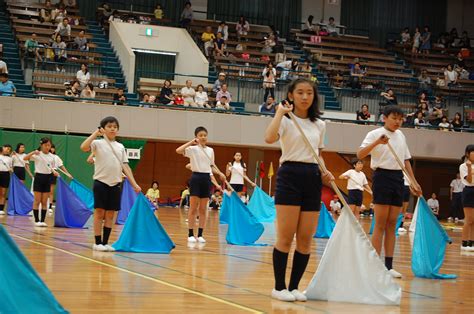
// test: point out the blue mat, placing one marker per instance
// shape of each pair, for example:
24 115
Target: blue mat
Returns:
20 199
326 223
70 212
262 206
83 192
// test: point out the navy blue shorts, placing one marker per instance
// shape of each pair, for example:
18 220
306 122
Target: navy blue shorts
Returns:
54 179
107 197
299 184
200 184
20 172
42 183
355 197
237 187
4 179
387 186
468 196
406 194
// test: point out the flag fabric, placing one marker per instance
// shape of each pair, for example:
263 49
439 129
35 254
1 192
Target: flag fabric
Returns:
326 223
414 217
262 206
399 221
127 200
350 269
20 200
70 212
224 211
270 171
257 167
83 192
23 291
261 172
143 232
429 245
244 229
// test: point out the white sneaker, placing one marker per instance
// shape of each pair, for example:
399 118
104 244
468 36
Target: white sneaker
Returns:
201 240
109 248
38 224
467 248
450 219
283 295
2 212
192 239
43 224
402 230
99 247
299 296
50 211
456 220
394 273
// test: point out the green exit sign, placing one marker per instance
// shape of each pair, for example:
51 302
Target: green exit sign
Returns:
149 31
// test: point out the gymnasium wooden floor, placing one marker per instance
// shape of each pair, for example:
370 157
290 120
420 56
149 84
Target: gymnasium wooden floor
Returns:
210 278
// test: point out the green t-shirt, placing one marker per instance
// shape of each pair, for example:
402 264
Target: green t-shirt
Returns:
31 45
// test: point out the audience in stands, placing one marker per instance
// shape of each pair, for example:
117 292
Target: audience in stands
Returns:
72 91
166 93
120 98
64 29
145 98
464 41
105 14
218 83
420 120
453 35
288 69
83 76
201 98
459 62
405 36
422 99
178 99
269 106
3 67
426 41
219 46
7 88
32 49
389 97
59 13
208 38
80 42
268 44
309 27
444 125
187 16
242 27
88 91
416 41
269 82
188 94
224 29
47 13
331 27
450 76
424 83
363 114
60 54
223 103
305 70
457 122
158 12
355 79
224 92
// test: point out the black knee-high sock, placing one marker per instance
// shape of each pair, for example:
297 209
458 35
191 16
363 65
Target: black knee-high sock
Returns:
470 243
43 214
280 260
36 214
2 207
300 261
105 239
191 233
389 262
98 239
401 224
200 231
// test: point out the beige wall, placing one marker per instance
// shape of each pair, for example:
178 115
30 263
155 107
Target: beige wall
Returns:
226 129
189 59
459 15
315 8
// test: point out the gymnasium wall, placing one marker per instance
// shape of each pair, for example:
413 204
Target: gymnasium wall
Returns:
321 10
459 15
189 59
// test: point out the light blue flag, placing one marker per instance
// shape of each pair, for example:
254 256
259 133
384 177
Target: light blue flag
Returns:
83 192
143 232
126 203
399 221
22 289
429 245
326 223
70 212
262 206
244 229
20 200
224 211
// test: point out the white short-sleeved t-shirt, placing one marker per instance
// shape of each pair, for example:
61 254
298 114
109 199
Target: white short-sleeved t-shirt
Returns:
381 157
457 185
201 158
107 168
237 173
18 160
463 173
293 147
6 163
357 179
433 204
58 162
43 162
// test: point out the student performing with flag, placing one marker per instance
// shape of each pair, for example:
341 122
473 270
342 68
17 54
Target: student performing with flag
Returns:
356 184
6 167
466 170
237 171
20 166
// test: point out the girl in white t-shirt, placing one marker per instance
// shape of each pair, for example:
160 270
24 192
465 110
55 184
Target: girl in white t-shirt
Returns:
44 169
57 164
237 171
20 167
356 183
5 171
298 185
466 170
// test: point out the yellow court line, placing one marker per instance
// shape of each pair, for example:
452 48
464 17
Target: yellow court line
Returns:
241 307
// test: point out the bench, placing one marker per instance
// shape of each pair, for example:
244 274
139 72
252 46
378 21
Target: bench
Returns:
59 89
48 77
341 39
338 46
47 25
45 31
351 54
36 6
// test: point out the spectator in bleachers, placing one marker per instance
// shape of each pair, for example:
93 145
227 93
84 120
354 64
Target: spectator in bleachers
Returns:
7 88
453 35
442 41
363 114
69 3
389 97
80 42
88 91
224 29
459 61
416 41
83 76
268 106
223 103
269 44
120 98
464 41
166 93
426 40
224 92
424 82
46 13
355 79
208 38
457 122
219 46
218 83
32 49
444 125
145 98
420 120
305 70
3 67
242 27
188 94
309 27
158 12
269 82
59 13
405 36
178 99
187 15
201 98
423 99
64 29
286 67
331 27
60 55
450 76
105 14
463 74
438 109
72 91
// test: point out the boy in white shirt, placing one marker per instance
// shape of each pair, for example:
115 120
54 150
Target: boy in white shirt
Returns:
455 195
110 160
356 183
223 103
6 167
188 94
387 182
434 205
466 171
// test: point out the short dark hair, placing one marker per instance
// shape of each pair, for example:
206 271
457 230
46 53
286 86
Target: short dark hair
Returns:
108 120
354 161
388 110
469 149
313 111
331 18
224 96
154 183
45 140
7 145
199 129
5 75
17 150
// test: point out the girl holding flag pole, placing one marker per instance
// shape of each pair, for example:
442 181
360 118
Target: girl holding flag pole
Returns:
237 171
